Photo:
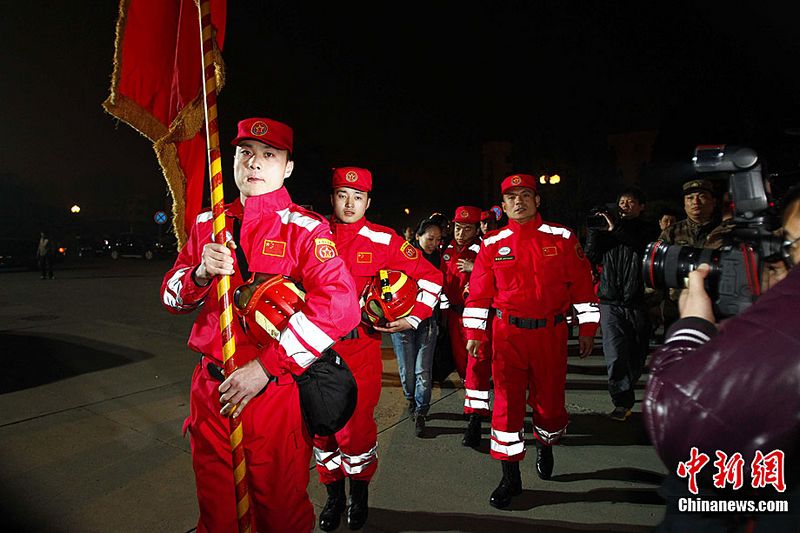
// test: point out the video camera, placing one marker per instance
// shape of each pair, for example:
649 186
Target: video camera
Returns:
596 221
734 282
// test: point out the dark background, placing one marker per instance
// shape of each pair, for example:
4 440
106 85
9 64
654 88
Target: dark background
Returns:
412 91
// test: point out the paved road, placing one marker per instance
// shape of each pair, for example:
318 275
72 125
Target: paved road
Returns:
95 389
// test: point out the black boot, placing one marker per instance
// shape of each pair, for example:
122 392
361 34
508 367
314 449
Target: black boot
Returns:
332 512
472 437
510 485
357 507
544 460
419 425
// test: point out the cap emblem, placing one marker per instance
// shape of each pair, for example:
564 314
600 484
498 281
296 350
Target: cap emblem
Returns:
464 213
351 176
259 128
516 180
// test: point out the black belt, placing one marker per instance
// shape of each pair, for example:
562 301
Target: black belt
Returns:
531 323
352 334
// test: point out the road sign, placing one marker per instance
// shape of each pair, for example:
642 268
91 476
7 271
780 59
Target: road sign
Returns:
160 217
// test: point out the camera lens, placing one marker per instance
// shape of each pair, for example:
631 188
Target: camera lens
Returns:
667 266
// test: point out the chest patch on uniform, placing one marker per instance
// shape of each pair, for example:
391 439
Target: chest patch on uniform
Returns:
504 258
324 249
408 250
579 251
274 248
549 251
364 257
446 257
505 250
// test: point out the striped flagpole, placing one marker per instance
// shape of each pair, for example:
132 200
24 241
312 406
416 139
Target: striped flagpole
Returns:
224 283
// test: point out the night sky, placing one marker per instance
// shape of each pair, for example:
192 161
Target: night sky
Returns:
410 92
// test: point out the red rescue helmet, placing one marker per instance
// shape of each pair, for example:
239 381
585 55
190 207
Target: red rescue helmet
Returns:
265 304
389 296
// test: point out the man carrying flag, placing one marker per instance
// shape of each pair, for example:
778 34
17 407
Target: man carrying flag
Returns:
271 235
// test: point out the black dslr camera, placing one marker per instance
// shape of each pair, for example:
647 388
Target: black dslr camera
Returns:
596 221
735 278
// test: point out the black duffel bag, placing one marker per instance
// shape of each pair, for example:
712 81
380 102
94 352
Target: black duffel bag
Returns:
328 394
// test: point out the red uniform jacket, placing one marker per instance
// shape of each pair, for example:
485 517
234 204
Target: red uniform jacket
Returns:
454 280
277 237
367 247
532 270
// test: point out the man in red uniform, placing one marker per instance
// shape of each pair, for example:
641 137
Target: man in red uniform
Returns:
365 248
531 271
277 237
457 264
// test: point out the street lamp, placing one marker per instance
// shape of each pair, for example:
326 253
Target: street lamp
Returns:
545 179
407 211
75 209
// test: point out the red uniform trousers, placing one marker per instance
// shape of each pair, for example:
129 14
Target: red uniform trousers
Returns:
532 360
277 467
353 450
475 371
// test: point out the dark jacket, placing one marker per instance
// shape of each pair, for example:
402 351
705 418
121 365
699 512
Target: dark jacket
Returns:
620 253
738 391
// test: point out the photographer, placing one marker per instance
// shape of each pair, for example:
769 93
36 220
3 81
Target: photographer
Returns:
733 390
617 247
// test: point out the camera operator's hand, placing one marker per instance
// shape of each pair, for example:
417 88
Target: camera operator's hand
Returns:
694 301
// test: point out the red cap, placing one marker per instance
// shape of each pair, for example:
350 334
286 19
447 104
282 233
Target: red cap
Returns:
487 215
265 130
353 177
467 214
518 180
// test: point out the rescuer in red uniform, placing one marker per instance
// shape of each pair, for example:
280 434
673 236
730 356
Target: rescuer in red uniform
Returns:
531 272
458 260
365 248
276 237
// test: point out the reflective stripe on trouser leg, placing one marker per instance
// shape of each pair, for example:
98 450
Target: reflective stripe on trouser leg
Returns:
356 464
547 381
479 371
357 440
509 369
506 445
328 460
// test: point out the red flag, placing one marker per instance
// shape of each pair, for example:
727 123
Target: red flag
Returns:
156 88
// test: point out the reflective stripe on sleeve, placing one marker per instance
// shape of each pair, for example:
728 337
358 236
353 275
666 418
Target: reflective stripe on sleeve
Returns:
587 313
427 298
429 286
476 312
309 332
474 323
295 349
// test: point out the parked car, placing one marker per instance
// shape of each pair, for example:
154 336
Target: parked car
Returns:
18 253
137 245
93 246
